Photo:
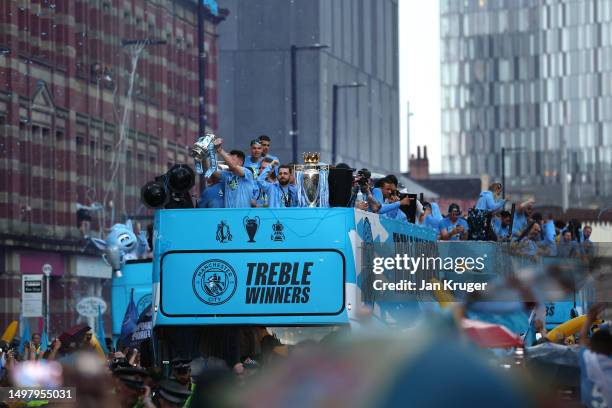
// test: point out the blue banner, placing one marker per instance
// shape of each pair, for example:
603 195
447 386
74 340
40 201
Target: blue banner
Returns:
277 266
252 283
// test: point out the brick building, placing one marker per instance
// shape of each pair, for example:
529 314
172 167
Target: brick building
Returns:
70 132
448 188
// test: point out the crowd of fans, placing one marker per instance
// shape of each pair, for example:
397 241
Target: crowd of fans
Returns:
128 377
529 231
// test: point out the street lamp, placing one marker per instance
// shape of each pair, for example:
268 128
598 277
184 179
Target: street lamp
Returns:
294 121
409 114
503 165
46 270
336 88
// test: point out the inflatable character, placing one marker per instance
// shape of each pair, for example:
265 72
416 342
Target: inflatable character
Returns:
120 245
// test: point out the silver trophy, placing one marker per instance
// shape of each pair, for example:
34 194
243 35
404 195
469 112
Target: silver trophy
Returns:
203 152
311 180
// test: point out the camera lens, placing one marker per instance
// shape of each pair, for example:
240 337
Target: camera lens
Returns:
154 195
181 178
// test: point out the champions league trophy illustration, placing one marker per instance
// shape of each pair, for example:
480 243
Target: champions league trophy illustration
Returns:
203 152
311 180
251 225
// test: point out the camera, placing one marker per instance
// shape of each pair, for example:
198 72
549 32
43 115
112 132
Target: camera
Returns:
170 190
363 178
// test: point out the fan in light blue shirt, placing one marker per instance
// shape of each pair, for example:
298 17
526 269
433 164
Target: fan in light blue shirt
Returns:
453 228
501 225
550 236
488 199
521 218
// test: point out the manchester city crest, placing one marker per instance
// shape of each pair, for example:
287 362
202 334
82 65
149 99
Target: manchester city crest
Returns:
214 282
143 303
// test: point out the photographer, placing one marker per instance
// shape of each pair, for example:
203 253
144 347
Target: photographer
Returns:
383 194
361 194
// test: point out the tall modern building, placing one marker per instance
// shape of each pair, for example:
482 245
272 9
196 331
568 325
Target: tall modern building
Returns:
255 77
533 77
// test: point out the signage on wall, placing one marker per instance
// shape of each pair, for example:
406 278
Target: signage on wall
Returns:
31 295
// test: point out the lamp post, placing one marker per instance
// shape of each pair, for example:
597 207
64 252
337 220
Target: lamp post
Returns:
409 114
336 88
294 119
503 165
46 270
201 73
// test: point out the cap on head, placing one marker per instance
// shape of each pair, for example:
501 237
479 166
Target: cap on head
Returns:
255 142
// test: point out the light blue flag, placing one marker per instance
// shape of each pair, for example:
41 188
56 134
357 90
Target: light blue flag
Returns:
44 340
100 331
25 336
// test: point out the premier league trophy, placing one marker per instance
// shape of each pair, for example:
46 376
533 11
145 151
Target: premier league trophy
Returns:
203 152
311 180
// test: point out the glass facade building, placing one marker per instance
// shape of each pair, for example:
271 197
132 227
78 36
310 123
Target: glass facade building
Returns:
531 76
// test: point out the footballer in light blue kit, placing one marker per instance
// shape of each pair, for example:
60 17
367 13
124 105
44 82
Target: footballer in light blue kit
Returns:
280 193
253 161
238 181
266 142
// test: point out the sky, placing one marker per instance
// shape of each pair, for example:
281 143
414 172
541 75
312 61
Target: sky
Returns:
419 71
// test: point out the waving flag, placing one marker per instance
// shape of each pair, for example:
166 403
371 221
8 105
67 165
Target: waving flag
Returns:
44 340
100 331
129 322
25 336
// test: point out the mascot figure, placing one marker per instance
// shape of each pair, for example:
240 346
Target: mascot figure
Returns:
121 244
